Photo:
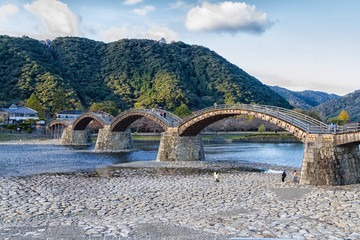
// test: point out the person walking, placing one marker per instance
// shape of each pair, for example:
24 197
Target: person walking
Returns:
295 176
216 176
283 176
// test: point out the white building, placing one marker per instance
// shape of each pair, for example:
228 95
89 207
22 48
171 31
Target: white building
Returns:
68 114
15 114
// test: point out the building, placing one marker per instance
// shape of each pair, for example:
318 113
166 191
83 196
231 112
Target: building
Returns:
15 114
68 114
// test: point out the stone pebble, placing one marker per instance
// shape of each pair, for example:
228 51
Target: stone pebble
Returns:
171 199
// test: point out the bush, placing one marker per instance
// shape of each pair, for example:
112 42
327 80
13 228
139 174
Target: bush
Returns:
262 128
28 130
336 120
10 126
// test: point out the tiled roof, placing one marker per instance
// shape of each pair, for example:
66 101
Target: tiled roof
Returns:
20 110
66 111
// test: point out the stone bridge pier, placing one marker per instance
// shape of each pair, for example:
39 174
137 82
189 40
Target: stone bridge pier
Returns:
180 148
76 137
326 163
112 141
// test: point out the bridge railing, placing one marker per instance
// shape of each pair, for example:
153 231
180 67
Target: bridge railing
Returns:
347 128
302 121
105 117
171 119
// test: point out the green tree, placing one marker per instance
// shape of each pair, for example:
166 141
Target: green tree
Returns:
309 113
34 103
107 106
336 120
182 111
344 116
261 128
60 101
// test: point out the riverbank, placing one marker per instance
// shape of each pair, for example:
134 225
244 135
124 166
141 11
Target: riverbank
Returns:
248 137
13 137
153 200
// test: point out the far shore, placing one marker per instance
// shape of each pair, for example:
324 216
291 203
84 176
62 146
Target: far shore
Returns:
208 137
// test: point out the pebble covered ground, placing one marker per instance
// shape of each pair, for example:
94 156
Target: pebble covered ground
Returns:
153 200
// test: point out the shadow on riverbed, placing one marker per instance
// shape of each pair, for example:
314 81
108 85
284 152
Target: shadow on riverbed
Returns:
119 171
112 171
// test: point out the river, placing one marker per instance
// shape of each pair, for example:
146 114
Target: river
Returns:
23 160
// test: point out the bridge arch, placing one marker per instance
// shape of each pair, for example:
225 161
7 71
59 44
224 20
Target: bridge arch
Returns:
57 127
296 123
83 121
65 123
124 119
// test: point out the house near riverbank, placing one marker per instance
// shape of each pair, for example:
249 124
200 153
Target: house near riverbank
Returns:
68 114
15 114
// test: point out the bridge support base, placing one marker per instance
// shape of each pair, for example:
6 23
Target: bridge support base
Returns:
113 141
327 164
76 137
176 148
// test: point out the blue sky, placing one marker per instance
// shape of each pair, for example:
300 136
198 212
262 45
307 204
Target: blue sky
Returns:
299 45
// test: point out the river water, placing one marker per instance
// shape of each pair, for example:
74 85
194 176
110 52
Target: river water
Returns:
23 160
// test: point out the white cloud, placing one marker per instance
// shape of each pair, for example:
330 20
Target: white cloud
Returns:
144 11
155 33
57 17
132 2
178 5
7 11
114 34
227 17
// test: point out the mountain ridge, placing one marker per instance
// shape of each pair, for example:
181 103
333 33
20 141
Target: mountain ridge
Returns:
332 108
129 72
305 100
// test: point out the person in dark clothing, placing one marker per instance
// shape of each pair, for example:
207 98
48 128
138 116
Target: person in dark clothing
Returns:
283 176
164 114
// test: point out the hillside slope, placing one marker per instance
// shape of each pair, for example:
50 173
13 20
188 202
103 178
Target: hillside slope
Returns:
305 99
80 71
350 103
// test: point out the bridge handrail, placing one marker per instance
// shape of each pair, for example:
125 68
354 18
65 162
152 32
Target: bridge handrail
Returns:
154 112
66 120
347 128
300 120
107 120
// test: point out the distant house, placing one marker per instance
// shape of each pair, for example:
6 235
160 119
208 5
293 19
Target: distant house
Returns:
68 114
162 41
15 114
46 42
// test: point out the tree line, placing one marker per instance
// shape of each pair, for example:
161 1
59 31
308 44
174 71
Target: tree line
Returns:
78 73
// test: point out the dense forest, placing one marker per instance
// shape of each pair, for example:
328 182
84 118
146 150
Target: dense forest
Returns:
76 72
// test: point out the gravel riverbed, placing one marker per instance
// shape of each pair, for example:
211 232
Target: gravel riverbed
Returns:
153 200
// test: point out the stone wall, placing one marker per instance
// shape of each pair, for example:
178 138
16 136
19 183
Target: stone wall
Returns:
76 137
113 141
176 148
324 163
345 138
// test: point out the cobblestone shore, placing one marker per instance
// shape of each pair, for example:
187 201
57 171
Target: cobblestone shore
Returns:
174 201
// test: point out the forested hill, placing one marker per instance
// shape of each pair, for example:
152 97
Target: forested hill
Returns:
304 99
350 103
79 71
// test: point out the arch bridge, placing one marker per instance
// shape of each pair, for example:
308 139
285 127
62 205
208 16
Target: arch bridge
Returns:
57 127
331 155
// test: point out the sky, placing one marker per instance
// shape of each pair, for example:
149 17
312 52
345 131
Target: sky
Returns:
298 44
